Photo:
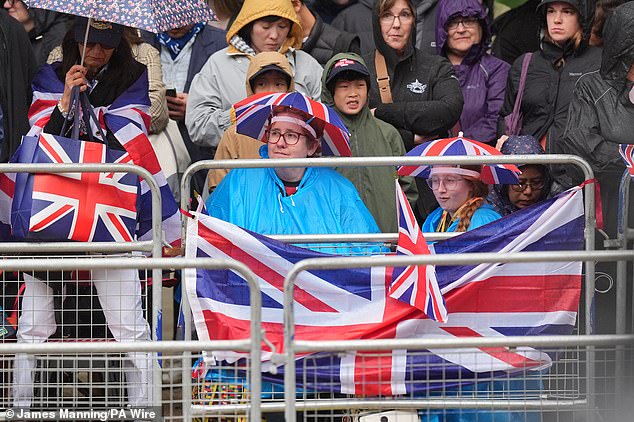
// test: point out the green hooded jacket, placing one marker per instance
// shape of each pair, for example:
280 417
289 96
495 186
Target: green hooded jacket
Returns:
371 137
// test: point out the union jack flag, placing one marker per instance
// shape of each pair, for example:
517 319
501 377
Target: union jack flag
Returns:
76 206
482 301
627 152
251 117
128 120
416 284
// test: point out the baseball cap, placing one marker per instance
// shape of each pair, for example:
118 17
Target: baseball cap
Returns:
347 65
107 34
266 69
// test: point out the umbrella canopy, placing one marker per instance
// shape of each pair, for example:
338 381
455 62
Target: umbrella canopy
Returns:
492 174
152 15
252 114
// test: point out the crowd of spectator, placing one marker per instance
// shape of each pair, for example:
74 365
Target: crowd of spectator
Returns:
398 72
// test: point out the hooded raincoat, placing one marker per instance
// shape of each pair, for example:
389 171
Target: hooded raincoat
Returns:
549 88
325 203
426 94
220 83
371 137
602 112
234 145
357 19
517 145
482 76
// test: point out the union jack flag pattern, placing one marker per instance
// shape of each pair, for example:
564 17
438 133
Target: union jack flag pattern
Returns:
416 284
76 206
128 120
251 118
627 152
482 301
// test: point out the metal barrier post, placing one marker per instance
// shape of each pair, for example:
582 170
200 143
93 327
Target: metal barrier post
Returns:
621 283
154 246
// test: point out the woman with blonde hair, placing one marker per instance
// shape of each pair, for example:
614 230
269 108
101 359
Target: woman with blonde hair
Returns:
461 196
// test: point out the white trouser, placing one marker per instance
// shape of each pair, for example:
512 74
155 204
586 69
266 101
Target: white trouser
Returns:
119 293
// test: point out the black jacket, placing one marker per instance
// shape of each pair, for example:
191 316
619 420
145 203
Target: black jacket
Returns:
426 94
549 89
357 19
49 29
325 41
601 112
516 32
17 68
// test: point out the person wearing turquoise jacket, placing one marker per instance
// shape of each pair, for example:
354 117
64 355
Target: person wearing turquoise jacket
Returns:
460 194
303 200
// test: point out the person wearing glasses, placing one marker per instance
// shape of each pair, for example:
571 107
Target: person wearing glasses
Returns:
461 196
535 181
425 97
295 200
463 35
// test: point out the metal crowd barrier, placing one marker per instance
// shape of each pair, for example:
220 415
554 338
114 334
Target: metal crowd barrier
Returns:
251 345
290 347
153 246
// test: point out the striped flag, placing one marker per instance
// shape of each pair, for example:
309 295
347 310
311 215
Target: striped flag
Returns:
416 284
627 152
128 120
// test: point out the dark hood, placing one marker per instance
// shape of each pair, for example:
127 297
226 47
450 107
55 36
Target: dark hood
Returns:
618 44
44 20
368 3
448 9
390 55
585 8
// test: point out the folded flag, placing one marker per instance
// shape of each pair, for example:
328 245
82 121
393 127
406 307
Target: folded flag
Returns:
416 284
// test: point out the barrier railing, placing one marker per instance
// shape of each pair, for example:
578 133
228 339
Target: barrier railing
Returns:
251 345
153 246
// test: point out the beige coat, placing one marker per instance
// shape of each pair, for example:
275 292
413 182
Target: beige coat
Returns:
233 145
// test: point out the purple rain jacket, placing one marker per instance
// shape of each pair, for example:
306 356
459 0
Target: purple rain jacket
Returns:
482 76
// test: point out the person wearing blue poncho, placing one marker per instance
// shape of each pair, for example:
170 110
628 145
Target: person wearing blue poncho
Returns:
303 200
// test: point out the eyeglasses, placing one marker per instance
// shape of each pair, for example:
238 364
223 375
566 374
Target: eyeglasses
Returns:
466 22
534 185
273 136
403 17
450 183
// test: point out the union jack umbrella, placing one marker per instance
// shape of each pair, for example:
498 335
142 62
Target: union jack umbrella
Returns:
627 152
252 114
492 174
152 15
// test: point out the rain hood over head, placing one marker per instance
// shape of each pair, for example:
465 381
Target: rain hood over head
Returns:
618 44
253 10
266 59
450 9
583 7
388 52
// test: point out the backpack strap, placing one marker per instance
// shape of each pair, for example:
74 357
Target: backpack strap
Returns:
382 78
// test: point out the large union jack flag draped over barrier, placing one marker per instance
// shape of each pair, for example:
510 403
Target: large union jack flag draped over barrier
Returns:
128 120
416 284
487 300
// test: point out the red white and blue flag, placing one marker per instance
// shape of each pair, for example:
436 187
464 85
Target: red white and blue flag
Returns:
416 284
627 152
252 114
128 120
79 206
488 300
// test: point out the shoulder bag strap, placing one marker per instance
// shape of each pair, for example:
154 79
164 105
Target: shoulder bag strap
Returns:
520 89
382 78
